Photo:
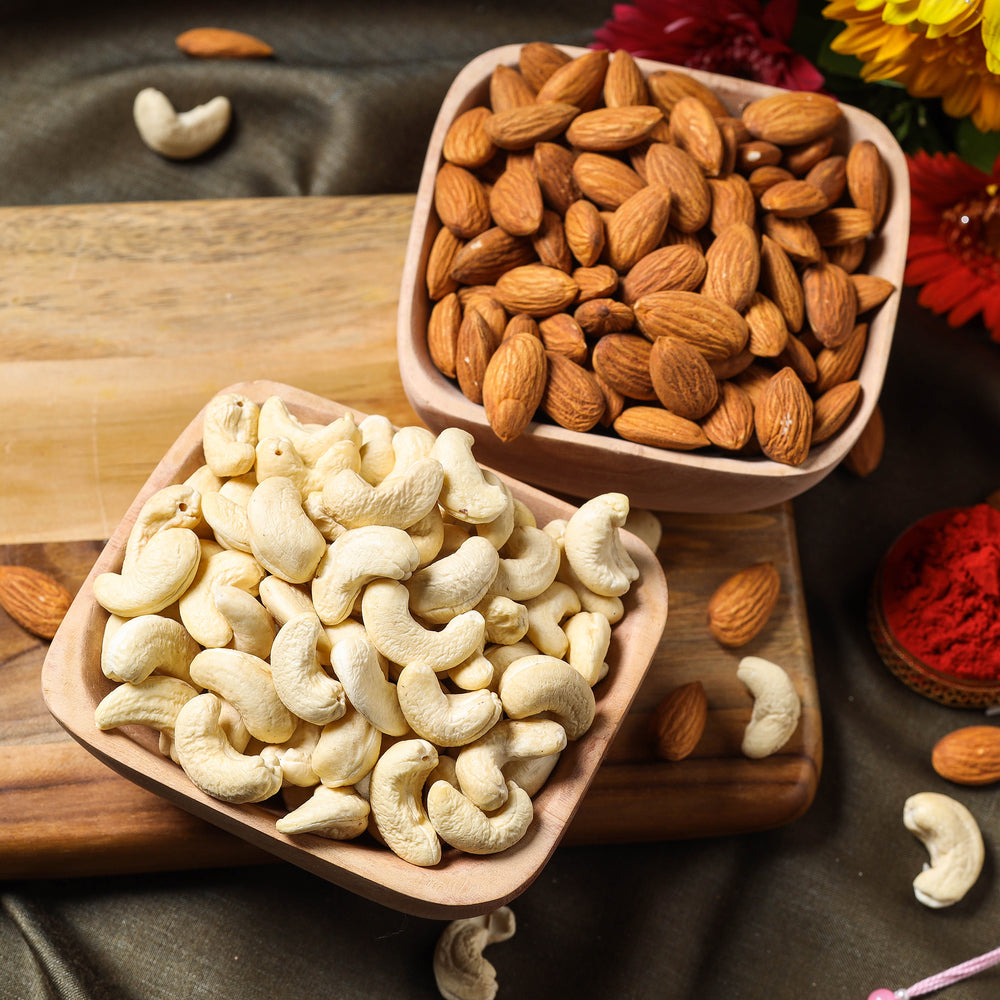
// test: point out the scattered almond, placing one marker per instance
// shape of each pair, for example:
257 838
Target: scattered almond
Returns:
968 756
678 721
222 43
35 600
741 606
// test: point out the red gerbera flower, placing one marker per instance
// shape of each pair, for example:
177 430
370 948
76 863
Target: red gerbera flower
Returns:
954 246
741 38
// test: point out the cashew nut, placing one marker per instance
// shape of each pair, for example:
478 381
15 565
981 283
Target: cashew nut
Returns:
531 773
776 706
399 501
594 548
529 562
277 456
229 434
251 624
589 639
503 655
463 825
447 720
347 749
409 444
465 492
460 970
175 506
162 571
377 454
498 530
357 667
955 845
304 688
395 634
646 526
154 701
140 645
334 813
294 756
540 683
282 538
506 620
356 558
428 535
212 763
545 615
474 673
227 519
310 441
179 135
454 583
479 766
396 797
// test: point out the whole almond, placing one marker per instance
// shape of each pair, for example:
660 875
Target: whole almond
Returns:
622 360
597 282
637 226
801 158
572 397
849 255
516 202
799 358
678 721
868 179
440 260
35 600
536 289
794 199
764 177
729 425
866 454
612 129
796 237
598 317
584 229
839 364
562 334
537 61
682 379
460 201
768 330
833 409
831 303
579 82
624 84
222 43
756 153
694 129
668 86
872 290
442 333
716 329
679 267
830 176
549 242
652 425
473 350
605 180
836 226
513 384
521 323
732 201
733 266
690 196
969 755
783 419
492 253
554 170
779 280
521 126
742 605
791 117
466 143
509 89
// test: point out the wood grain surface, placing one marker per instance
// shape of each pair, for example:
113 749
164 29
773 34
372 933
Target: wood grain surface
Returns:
120 321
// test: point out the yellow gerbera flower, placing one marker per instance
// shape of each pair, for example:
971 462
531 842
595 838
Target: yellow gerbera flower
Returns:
934 48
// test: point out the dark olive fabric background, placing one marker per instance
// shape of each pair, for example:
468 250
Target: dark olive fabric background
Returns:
821 908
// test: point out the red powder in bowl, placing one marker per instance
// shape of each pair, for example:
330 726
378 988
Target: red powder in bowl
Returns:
941 591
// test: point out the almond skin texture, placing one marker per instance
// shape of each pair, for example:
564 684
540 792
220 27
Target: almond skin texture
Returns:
831 303
694 129
492 253
868 179
968 756
514 384
466 142
783 418
659 428
222 43
521 127
833 409
741 606
35 600
584 229
679 267
536 290
866 455
622 360
637 226
516 202
460 201
690 196
572 397
716 329
678 721
606 181
791 118
610 129
682 379
578 82
733 266
730 423
624 84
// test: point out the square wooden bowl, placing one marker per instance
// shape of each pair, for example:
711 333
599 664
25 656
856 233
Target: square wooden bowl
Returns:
581 464
461 885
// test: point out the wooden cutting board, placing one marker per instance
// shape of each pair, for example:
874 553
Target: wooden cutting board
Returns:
119 322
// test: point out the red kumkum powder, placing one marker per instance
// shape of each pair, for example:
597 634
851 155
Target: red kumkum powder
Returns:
941 592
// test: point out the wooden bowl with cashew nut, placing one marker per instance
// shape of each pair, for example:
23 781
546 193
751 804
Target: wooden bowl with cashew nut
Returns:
619 406
75 683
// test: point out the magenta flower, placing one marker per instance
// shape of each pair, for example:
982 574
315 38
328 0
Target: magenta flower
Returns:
742 38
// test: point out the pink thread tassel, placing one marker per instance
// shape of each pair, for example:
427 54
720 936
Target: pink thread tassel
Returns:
946 978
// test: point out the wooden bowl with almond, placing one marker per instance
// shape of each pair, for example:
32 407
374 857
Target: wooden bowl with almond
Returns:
625 275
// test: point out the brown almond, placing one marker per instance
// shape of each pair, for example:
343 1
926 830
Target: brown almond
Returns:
791 117
755 154
783 419
762 178
522 126
868 179
485 257
732 266
442 333
509 89
584 229
830 176
831 303
793 199
753 380
668 86
797 356
833 409
222 43
679 266
716 329
466 142
554 170
768 330
742 605
695 130
579 82
606 130
440 260
35 600
521 323
836 226
537 61
513 384
460 201
795 236
624 83
598 317
690 196
637 226
473 350
614 402
838 364
622 360
678 721
732 201
572 397
850 255
659 428
606 181
682 379
516 202
800 159
872 290
536 289
866 454
969 755
549 242
562 334
726 368
597 282
729 424
779 280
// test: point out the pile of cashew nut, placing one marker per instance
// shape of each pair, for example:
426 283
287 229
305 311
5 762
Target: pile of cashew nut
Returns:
362 619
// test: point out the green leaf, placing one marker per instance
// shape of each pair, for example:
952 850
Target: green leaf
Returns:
978 148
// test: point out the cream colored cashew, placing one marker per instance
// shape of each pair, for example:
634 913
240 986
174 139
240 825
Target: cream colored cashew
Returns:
245 682
175 506
232 725
465 492
545 615
454 583
203 480
528 564
212 763
252 626
310 441
463 825
447 720
229 434
154 702
506 620
445 771
646 526
216 567
282 538
473 674
594 547
498 530
179 135
460 971
611 607
357 667
399 501
160 574
955 845
377 455
284 600
333 813
589 639
536 684
356 558
140 645
277 456
394 633
503 655
227 519
304 688
531 773
347 749
396 797
294 756
479 766
776 706
409 444
428 535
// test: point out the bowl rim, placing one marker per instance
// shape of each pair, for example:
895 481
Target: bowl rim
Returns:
461 885
422 382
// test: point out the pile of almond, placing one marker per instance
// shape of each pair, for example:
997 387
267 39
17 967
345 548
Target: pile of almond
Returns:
620 252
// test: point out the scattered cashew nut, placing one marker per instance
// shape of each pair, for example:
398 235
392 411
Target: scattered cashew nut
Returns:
460 970
179 135
776 706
